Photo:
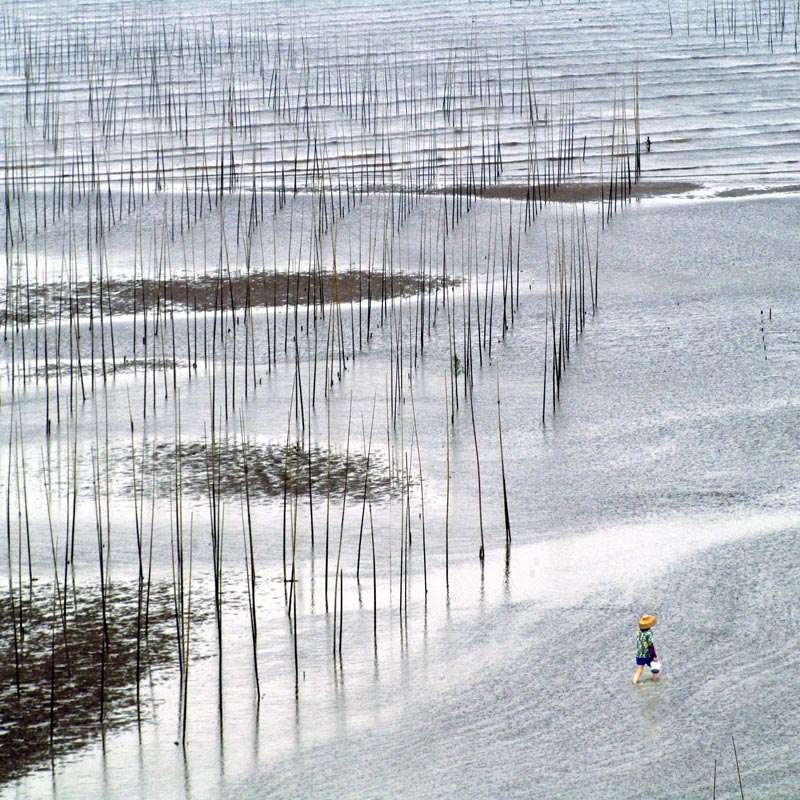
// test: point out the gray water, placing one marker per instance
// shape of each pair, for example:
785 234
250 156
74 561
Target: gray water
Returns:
667 481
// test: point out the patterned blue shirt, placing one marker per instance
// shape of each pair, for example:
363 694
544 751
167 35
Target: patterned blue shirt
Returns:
644 641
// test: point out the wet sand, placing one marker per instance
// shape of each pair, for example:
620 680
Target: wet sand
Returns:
573 192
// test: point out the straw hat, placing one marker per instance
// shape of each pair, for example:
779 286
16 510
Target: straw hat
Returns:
647 622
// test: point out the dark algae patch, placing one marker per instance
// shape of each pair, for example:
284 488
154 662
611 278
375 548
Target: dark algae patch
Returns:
65 678
210 291
270 470
265 471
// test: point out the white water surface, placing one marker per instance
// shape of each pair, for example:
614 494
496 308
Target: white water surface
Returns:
667 481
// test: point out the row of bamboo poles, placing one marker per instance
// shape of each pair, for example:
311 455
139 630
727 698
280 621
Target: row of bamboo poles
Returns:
46 294
210 211
773 23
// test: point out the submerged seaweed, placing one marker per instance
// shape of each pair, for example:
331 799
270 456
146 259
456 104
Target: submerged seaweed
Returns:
66 677
205 293
269 470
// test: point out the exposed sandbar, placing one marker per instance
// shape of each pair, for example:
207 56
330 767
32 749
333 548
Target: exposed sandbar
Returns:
209 291
576 192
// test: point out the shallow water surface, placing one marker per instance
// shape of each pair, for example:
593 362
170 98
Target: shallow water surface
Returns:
664 479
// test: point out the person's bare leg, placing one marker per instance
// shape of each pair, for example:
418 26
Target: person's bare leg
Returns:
654 676
638 675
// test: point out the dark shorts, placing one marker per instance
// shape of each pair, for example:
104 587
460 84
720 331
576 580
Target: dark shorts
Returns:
643 662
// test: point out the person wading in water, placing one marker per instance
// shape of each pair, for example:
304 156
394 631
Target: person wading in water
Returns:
645 649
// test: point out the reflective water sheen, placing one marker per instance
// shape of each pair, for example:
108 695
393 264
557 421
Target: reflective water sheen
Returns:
667 481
